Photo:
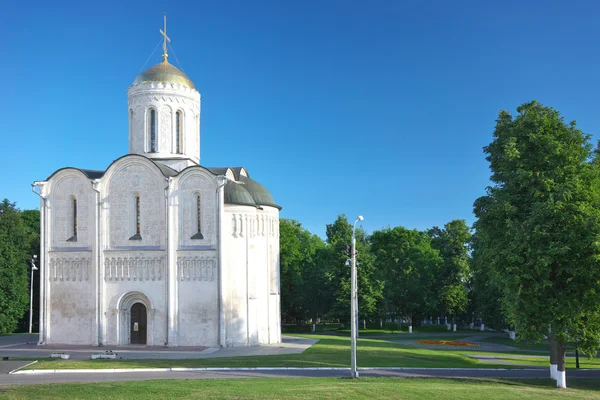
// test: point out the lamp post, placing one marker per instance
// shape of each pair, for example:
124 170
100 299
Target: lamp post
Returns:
33 268
354 304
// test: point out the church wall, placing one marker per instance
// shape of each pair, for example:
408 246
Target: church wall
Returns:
251 275
191 184
70 267
71 309
197 275
198 317
142 273
134 267
128 178
65 187
235 272
267 254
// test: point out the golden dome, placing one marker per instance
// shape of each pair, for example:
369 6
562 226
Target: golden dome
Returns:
164 72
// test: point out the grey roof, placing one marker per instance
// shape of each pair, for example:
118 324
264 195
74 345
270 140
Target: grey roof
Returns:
92 173
258 192
236 193
166 170
218 170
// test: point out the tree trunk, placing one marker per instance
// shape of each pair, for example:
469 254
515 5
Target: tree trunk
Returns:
553 368
410 324
561 355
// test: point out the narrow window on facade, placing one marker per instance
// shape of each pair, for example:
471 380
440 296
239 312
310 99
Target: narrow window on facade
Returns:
152 130
73 221
178 133
130 124
137 219
198 221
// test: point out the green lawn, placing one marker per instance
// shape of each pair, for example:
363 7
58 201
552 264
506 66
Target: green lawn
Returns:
584 362
330 351
519 344
311 389
417 330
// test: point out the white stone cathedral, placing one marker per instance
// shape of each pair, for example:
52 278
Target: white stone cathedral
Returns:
157 249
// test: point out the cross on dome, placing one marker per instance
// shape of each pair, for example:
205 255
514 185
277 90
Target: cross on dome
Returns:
165 39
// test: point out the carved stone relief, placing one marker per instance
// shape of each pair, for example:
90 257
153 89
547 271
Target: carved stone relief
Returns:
134 268
70 269
196 268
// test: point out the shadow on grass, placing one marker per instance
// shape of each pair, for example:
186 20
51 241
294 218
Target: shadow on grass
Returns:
572 383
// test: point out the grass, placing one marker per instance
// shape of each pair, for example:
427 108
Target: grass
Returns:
311 388
417 330
330 351
521 344
584 362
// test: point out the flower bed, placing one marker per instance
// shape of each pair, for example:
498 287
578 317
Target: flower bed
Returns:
447 343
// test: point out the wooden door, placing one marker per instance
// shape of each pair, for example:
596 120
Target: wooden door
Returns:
138 324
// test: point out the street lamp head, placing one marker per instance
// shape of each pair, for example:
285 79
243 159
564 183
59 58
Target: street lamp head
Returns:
35 256
360 218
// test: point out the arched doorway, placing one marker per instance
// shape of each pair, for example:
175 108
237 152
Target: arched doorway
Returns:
138 327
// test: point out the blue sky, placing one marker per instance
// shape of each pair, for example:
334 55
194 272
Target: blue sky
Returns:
378 108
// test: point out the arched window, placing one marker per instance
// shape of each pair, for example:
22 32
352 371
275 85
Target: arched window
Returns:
178 132
137 219
73 222
152 130
198 215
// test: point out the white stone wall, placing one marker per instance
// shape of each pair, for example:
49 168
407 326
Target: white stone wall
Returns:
166 99
70 270
251 275
197 321
198 316
66 185
125 179
71 308
190 184
130 277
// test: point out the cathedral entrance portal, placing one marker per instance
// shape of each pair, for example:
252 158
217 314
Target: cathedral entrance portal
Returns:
138 324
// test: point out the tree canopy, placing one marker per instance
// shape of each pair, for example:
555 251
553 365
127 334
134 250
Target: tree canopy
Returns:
540 225
15 243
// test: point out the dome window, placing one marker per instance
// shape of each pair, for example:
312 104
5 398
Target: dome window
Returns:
178 133
152 130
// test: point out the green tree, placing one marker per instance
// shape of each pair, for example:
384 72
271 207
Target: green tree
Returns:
451 279
407 264
14 257
339 236
31 223
302 280
542 218
487 292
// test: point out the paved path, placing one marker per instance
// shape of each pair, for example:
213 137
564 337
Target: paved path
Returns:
289 345
18 339
541 373
483 346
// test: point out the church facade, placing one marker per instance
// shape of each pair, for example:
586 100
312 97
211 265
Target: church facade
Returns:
157 249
